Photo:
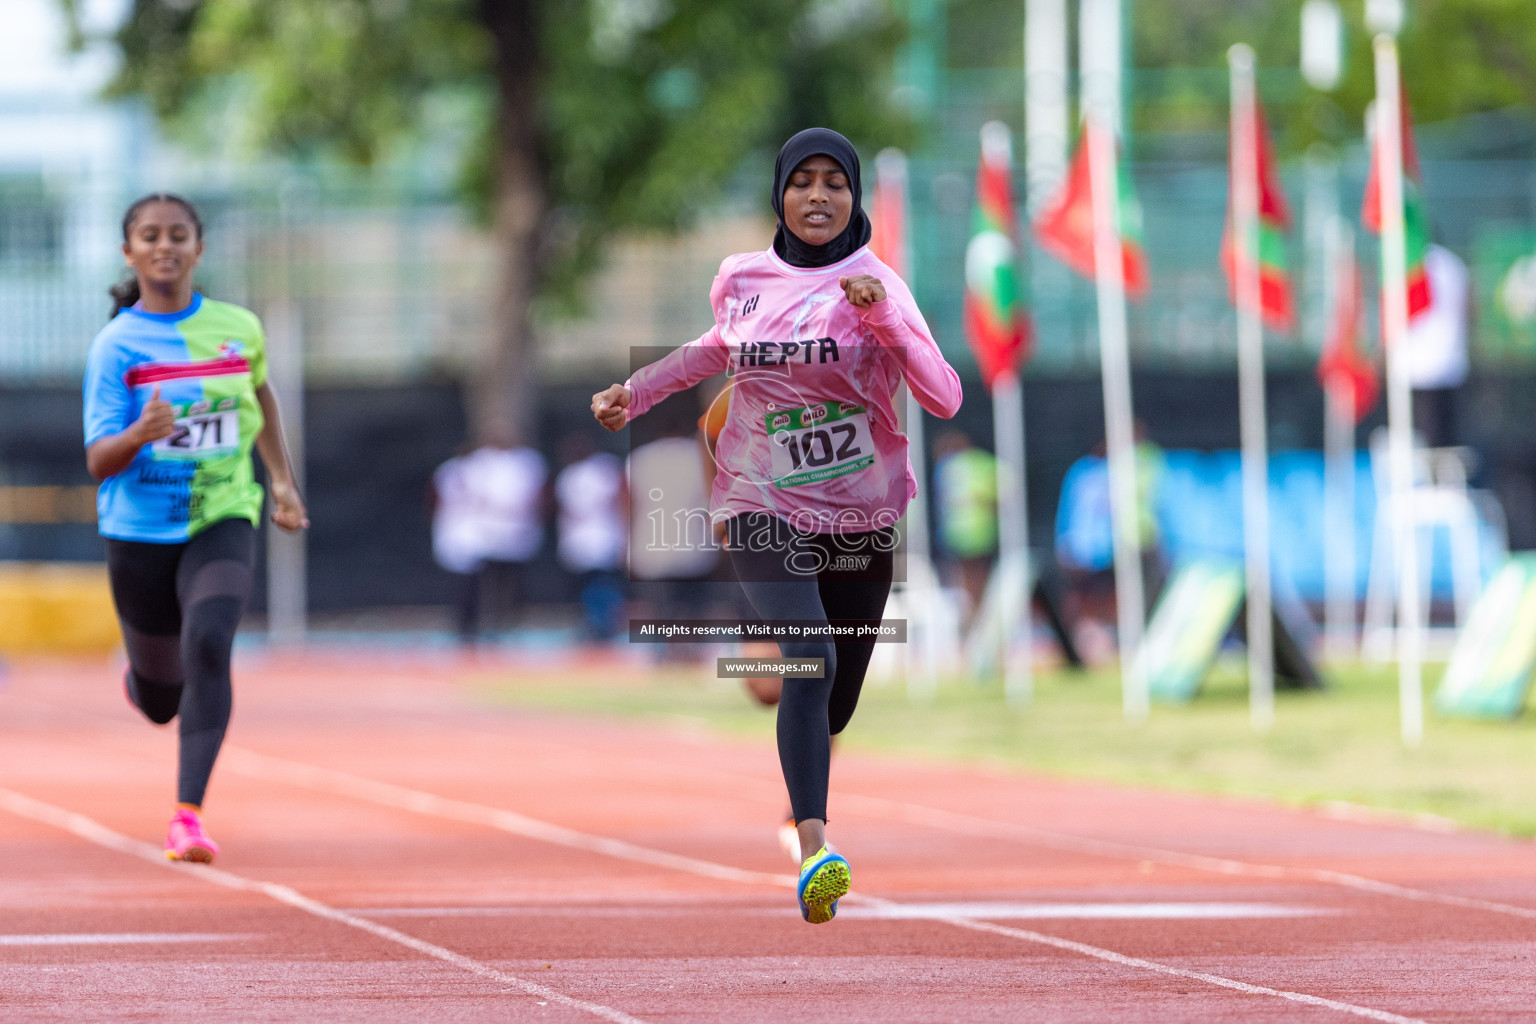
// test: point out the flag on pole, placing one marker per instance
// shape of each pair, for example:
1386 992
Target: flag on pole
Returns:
888 212
1415 215
994 310
1276 305
1065 228
1343 367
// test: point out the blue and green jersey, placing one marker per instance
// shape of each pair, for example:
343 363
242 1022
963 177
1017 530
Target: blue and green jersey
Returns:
207 360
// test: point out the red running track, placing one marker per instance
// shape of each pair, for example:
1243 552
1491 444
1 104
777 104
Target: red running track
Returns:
395 852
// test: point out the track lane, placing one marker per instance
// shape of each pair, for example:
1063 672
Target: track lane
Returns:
514 764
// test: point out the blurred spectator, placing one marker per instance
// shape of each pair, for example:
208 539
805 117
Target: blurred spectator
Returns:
591 498
673 552
965 498
1085 543
487 525
1436 352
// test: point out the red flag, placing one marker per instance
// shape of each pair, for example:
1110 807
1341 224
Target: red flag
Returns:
1065 228
1275 302
1415 216
888 212
1342 368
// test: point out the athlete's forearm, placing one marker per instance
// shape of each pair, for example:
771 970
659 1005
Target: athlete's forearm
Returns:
934 383
270 442
678 370
110 455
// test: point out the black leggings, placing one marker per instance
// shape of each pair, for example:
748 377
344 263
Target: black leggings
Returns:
789 574
178 605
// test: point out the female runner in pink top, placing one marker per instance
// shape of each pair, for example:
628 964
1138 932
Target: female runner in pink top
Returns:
817 334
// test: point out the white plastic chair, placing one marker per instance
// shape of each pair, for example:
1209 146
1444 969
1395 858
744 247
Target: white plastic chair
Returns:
1439 500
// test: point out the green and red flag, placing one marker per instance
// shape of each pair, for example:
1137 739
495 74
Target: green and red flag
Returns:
1276 305
994 308
1065 228
1343 368
1415 214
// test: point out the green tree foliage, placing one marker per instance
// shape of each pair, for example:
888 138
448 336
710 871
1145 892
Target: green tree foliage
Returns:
599 116
1458 57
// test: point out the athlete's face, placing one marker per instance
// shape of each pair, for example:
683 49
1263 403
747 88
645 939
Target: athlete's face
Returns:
163 246
818 201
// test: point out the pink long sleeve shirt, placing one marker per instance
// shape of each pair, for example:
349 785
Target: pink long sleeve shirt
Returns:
812 434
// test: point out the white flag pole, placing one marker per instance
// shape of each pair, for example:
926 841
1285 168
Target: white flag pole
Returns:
1012 537
922 580
1394 324
1012 506
1338 461
1114 352
1250 361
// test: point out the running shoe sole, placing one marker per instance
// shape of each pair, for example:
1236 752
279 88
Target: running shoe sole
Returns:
821 888
192 855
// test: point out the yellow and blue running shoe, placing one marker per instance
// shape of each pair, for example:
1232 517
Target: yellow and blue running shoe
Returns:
824 879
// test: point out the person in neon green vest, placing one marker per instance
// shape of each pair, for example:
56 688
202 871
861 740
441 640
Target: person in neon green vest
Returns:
965 489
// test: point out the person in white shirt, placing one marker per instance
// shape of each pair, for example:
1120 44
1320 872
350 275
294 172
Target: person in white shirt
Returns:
487 524
1436 349
591 497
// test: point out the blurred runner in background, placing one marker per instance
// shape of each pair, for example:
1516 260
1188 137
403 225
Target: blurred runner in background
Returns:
965 496
673 553
487 524
176 397
592 499
813 470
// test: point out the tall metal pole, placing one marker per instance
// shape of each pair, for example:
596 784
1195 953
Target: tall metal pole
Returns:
287 570
1394 323
1047 132
1045 101
1338 463
1250 367
1114 349
1012 504
1101 61
1099 36
1013 536
922 582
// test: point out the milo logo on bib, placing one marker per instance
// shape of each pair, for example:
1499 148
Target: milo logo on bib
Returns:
819 442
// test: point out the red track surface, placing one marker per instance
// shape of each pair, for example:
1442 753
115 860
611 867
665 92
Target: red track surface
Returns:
371 872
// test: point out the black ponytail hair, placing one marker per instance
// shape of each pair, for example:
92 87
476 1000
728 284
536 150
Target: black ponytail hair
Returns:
126 292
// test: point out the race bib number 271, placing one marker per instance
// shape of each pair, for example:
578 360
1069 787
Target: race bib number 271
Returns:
204 434
819 442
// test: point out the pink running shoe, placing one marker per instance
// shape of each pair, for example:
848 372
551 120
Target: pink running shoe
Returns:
187 841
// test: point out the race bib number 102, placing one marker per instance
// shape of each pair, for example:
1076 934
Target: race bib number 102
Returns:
819 442
209 432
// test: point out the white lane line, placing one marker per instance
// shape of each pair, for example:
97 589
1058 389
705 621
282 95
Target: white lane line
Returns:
95 832
1089 911
1179 972
994 911
122 938
951 821
561 910
344 784
326 780
915 814
907 813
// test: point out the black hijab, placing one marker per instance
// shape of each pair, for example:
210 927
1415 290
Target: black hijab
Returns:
789 246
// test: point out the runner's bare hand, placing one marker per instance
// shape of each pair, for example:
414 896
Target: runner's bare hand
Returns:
862 289
288 508
608 406
157 419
